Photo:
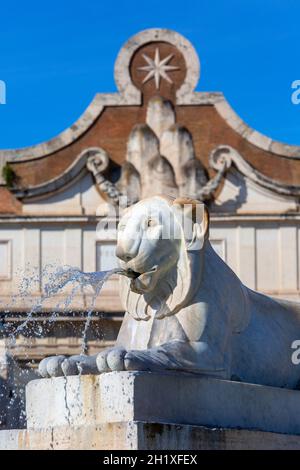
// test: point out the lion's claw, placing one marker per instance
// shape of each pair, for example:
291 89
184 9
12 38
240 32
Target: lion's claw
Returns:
111 360
57 366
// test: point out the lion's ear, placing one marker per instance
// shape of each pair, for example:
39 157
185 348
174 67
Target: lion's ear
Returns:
194 218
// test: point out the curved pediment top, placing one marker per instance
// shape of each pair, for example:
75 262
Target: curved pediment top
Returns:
253 136
157 60
154 62
79 165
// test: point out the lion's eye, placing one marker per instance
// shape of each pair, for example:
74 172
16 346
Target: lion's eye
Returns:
151 223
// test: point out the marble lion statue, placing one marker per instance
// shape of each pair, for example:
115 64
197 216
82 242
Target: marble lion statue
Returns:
185 309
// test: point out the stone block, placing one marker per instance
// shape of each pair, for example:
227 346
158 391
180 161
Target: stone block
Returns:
161 398
145 436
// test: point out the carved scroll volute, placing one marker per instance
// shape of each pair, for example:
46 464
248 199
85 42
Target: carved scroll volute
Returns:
97 162
220 159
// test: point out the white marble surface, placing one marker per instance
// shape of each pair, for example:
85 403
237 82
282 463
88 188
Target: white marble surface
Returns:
185 308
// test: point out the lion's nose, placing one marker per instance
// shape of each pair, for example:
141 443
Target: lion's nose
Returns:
124 255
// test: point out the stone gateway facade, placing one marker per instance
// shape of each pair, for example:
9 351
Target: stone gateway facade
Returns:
156 135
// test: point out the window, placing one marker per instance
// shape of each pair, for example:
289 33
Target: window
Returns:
5 259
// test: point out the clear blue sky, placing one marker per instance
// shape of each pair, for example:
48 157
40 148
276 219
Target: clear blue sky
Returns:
54 57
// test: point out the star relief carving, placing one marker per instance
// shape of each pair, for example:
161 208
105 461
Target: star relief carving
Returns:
158 68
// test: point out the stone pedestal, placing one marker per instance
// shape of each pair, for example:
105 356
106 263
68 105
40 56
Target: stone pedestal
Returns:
140 410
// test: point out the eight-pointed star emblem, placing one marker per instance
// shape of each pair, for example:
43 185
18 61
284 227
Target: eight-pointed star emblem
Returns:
158 68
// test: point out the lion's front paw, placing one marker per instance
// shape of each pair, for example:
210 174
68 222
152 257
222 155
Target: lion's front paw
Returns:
118 359
51 366
111 360
57 366
146 360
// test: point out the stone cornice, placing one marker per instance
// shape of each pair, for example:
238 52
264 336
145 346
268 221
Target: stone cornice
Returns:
78 167
93 220
251 135
230 155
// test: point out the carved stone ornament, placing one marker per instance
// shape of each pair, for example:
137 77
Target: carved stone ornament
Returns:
160 159
97 163
222 157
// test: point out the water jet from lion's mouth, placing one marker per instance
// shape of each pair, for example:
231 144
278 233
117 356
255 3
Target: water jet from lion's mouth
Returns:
56 280
61 278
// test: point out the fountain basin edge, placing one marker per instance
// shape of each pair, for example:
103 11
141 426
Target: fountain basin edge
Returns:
135 410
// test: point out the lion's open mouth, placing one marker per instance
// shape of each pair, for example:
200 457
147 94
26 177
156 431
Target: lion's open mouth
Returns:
135 274
132 274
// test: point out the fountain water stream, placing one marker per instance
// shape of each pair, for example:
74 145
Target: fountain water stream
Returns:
57 279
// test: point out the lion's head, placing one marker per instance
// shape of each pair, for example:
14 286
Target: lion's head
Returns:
158 243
